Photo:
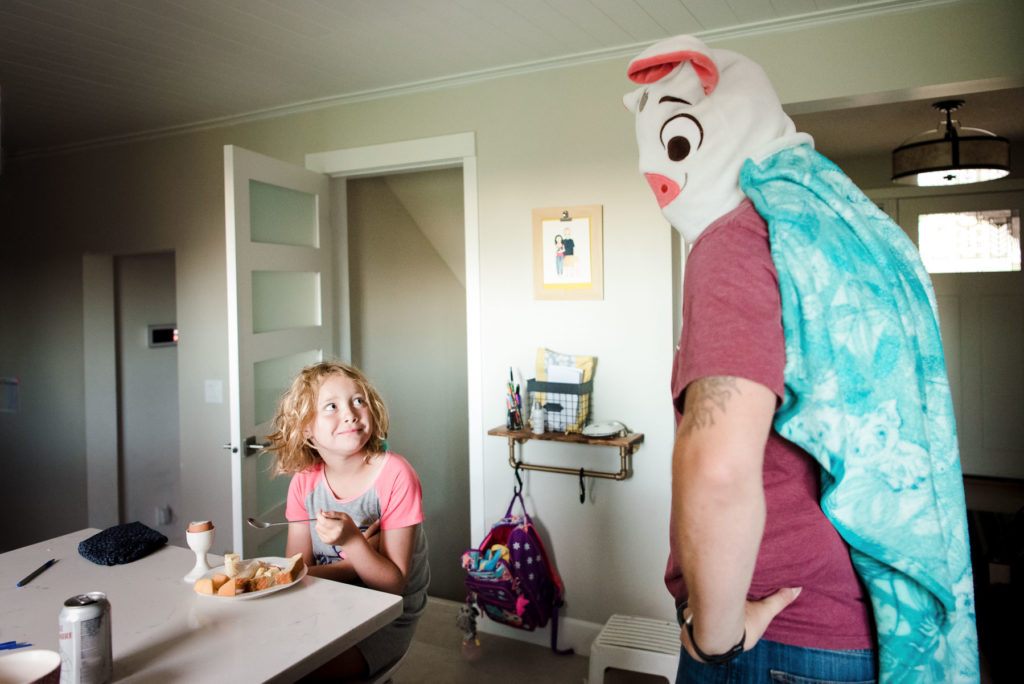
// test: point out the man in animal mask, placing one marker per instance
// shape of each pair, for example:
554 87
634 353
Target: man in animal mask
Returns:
818 527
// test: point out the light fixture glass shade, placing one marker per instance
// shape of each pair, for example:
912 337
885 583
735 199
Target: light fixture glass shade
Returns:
951 154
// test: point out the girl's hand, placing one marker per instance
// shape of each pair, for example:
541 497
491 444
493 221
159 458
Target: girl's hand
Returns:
336 528
372 534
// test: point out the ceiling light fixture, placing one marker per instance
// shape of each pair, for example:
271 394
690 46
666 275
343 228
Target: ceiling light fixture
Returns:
951 154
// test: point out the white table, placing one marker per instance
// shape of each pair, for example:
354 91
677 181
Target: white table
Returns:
163 631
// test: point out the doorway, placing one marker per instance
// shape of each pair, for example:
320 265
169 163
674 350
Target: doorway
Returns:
131 392
407 303
147 391
982 318
456 151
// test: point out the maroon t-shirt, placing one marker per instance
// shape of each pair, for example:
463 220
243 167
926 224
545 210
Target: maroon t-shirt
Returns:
732 325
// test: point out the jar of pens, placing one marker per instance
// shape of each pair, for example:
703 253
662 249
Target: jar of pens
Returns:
514 404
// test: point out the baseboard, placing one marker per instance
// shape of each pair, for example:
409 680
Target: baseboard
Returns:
572 633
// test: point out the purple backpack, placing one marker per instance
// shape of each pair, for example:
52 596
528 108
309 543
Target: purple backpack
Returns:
511 577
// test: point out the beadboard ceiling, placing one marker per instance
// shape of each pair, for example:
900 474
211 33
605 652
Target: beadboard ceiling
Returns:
78 73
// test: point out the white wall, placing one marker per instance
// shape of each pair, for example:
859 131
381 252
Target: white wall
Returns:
543 139
42 486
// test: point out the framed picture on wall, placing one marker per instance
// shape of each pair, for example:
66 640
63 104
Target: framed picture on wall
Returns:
567 253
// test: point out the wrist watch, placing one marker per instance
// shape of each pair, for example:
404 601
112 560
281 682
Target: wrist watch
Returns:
714 659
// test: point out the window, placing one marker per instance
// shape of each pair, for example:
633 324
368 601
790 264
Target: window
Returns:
970 241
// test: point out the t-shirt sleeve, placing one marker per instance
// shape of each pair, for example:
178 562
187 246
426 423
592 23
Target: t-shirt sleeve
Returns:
298 489
400 494
732 312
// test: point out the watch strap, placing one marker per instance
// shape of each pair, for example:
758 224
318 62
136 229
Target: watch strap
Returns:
714 659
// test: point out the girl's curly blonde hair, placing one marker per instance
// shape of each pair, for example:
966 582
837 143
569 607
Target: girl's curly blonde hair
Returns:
297 408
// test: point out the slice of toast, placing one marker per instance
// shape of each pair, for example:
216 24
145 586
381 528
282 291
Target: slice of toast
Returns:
231 562
204 585
265 577
249 569
262 582
291 570
234 587
219 580
210 585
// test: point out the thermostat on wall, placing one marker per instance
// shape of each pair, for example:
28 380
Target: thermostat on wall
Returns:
165 335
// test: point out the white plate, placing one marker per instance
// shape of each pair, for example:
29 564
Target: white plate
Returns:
603 428
269 560
37 665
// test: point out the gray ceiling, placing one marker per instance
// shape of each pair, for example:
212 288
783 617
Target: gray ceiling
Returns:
876 129
84 72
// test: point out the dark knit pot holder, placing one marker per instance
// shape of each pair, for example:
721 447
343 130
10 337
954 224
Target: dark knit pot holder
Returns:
121 544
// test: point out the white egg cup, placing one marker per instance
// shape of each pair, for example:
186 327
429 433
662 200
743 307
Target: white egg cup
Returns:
200 542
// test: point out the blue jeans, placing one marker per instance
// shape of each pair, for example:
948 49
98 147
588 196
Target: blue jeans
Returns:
771 662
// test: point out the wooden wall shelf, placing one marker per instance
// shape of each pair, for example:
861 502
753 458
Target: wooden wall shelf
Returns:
626 445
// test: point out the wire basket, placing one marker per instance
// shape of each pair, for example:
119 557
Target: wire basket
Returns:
567 404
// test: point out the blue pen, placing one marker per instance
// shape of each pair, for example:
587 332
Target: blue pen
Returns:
36 572
7 645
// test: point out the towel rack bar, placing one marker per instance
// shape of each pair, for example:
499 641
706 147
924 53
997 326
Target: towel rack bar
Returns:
627 445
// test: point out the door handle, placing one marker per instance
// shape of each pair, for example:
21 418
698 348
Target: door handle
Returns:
253 447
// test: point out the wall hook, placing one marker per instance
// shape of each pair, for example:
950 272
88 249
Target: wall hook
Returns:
518 489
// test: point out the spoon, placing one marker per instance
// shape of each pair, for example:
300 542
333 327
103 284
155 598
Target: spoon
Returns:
262 525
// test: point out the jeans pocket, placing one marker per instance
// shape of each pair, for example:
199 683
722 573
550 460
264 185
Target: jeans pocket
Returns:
781 677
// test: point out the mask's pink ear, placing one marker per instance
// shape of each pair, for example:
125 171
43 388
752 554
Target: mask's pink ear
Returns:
651 69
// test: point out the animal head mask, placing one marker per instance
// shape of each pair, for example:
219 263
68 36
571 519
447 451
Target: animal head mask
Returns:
700 113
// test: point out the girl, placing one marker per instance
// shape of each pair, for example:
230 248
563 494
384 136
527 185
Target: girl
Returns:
330 434
559 254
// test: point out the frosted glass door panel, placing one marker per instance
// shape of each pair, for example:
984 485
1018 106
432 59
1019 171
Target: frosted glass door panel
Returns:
282 216
285 299
279 265
270 490
275 544
272 377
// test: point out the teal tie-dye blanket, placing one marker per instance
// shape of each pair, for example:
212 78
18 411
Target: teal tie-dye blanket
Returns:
867 395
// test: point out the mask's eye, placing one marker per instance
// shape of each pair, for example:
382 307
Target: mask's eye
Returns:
678 148
681 135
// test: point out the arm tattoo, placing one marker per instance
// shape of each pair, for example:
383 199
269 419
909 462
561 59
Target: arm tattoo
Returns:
703 398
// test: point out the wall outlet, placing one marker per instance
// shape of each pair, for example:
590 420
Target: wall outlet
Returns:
214 390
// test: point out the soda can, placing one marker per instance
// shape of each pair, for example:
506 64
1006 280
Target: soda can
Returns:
84 638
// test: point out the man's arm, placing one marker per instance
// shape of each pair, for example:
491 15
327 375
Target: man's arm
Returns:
719 506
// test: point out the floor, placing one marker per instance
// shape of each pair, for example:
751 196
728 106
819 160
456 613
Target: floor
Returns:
436 657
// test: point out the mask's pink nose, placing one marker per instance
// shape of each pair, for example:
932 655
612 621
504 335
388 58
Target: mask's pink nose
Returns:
665 189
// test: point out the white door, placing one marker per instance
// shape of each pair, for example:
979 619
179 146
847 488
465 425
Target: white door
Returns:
981 315
279 271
